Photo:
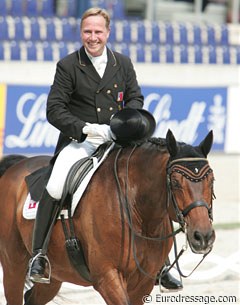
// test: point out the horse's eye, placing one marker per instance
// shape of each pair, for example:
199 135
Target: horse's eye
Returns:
175 184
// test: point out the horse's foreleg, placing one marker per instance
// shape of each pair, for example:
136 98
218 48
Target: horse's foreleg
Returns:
41 294
141 292
112 288
13 288
14 273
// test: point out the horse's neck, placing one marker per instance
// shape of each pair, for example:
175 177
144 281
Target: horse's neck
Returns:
147 185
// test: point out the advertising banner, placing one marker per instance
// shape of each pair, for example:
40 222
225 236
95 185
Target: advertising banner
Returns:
26 128
189 112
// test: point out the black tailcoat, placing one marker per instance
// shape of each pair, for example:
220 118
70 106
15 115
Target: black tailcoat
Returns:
79 95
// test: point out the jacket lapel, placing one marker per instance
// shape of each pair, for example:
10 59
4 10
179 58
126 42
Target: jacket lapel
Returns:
111 69
85 65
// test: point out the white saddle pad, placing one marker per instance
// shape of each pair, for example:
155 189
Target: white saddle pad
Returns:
30 206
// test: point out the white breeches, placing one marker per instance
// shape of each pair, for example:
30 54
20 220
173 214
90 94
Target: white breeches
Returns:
66 158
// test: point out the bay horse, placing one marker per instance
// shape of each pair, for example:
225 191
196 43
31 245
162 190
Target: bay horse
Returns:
123 220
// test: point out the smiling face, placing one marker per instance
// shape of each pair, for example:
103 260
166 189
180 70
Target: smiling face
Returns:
94 34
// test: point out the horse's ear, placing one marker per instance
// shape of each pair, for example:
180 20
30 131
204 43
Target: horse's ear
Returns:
171 143
206 144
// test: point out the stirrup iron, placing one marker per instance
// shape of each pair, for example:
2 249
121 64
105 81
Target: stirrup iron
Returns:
43 280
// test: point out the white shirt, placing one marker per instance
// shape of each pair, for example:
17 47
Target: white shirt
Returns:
99 62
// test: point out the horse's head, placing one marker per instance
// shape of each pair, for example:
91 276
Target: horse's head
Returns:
190 188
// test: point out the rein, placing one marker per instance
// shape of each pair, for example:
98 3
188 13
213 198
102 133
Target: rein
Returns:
126 205
180 214
127 209
178 255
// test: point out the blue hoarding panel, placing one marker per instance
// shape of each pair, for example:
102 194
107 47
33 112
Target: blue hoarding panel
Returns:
26 128
189 112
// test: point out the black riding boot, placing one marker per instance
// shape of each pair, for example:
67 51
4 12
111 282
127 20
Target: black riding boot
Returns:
167 280
46 216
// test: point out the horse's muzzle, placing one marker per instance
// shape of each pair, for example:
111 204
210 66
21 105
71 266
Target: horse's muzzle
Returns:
201 242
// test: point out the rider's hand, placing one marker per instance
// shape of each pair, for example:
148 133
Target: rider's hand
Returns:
98 130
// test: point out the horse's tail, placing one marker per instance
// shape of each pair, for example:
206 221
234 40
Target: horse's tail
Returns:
8 161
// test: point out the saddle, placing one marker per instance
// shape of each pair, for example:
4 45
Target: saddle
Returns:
37 181
80 173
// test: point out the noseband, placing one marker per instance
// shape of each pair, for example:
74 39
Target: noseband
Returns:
195 170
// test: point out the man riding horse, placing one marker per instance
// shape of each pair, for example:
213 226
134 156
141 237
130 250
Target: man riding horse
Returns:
90 86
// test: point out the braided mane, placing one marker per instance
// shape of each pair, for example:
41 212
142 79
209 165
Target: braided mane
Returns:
158 141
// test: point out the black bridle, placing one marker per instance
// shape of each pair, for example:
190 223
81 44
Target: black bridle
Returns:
125 206
195 174
201 172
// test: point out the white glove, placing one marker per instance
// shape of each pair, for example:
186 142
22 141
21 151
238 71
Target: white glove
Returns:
98 130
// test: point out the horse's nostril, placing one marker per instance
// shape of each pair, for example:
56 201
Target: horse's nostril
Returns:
211 237
198 237
203 240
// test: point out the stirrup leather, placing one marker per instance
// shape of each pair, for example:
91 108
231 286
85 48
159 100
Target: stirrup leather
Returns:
40 279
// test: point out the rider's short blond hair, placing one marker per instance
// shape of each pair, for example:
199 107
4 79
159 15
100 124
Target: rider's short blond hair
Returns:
95 11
